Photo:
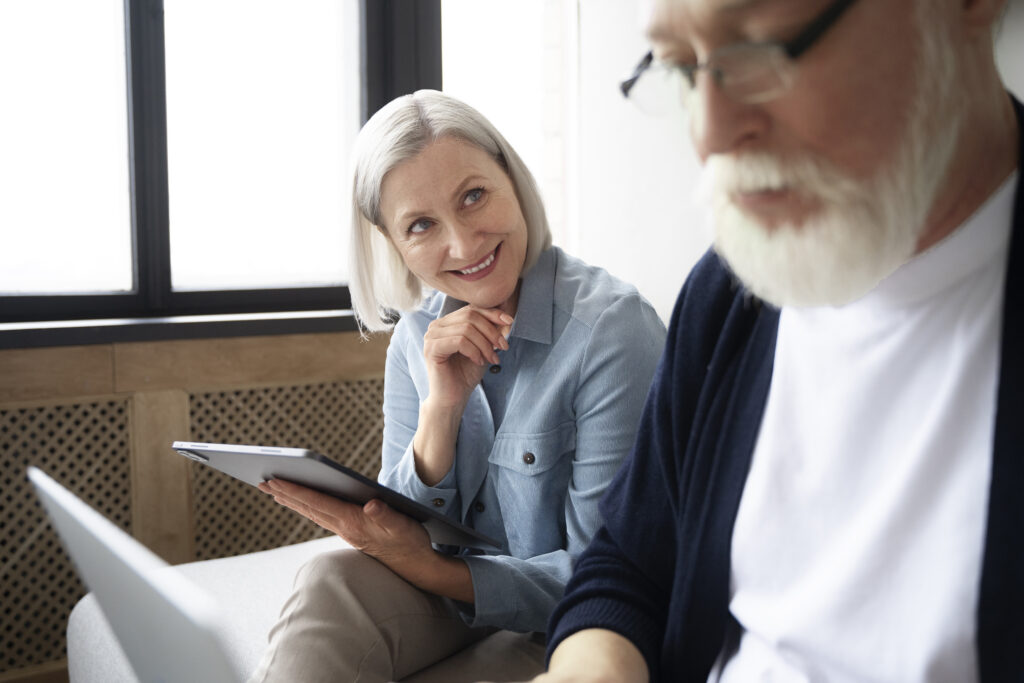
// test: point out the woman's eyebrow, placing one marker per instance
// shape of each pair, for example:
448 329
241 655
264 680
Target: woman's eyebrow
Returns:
405 214
466 182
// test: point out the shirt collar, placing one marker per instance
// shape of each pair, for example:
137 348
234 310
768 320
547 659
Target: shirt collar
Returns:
536 299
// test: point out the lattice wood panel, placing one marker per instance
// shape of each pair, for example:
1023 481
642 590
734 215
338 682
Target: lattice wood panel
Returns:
341 420
85 448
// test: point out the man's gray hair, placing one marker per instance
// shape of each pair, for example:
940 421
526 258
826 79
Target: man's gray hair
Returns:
380 283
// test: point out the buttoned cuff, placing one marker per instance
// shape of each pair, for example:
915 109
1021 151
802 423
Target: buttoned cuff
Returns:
441 497
494 592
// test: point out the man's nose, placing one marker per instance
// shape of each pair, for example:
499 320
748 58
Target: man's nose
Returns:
718 123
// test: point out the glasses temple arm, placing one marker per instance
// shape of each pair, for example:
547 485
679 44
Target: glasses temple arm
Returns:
627 85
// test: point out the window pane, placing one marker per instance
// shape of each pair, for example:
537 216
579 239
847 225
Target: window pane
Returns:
262 107
65 213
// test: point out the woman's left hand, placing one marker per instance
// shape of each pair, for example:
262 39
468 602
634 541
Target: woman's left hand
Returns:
373 528
396 540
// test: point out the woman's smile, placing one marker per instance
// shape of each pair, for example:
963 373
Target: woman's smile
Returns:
479 270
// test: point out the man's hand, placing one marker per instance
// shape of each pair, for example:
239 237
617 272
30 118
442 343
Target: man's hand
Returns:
595 656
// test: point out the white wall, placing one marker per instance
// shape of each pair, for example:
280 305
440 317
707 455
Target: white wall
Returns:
1010 48
636 173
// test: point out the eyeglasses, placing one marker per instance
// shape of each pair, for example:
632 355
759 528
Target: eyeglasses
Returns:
747 72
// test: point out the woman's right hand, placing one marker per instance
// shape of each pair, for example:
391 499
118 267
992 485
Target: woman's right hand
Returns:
457 348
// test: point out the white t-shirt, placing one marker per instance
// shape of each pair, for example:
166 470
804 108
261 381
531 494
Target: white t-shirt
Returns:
857 548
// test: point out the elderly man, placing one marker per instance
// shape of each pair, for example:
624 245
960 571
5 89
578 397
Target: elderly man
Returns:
828 482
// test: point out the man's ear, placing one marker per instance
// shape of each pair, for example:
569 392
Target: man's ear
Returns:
980 15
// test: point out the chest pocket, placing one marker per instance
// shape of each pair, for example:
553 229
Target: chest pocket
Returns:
531 474
533 454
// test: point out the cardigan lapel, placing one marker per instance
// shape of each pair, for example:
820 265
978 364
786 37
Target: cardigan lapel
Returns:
1000 631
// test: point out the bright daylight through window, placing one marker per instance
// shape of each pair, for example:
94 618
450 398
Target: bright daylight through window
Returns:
262 106
65 207
262 103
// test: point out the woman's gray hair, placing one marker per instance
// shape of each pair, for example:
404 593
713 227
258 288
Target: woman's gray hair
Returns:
380 284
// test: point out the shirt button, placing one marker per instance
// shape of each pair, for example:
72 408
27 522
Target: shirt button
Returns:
495 369
479 507
529 458
438 502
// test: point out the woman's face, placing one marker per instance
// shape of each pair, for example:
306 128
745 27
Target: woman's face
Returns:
452 213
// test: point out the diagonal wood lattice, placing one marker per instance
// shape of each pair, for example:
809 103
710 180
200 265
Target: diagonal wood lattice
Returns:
85 448
342 420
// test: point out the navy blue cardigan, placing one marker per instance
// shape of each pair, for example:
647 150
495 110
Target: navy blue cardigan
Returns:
658 571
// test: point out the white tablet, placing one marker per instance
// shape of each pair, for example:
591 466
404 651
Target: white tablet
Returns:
256 464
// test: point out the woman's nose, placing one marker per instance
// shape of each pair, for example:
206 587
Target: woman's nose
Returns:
718 123
463 241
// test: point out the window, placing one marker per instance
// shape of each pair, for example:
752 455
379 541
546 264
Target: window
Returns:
258 140
64 126
186 157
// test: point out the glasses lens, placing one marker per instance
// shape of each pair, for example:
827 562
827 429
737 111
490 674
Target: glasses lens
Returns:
660 90
754 72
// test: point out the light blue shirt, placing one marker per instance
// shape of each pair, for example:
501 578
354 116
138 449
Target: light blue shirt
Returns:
540 438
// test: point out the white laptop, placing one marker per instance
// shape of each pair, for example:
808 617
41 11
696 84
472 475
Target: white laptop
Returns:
168 627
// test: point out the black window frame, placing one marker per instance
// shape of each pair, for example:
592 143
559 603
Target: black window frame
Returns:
400 51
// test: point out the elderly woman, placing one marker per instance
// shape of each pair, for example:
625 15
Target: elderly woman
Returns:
513 387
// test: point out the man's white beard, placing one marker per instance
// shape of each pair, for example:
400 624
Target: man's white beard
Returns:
862 230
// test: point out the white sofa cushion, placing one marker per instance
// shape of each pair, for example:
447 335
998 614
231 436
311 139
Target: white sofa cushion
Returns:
250 590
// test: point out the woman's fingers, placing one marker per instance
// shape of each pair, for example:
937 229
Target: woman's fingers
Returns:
466 317
374 528
485 329
466 339
495 315
334 514
503 325
498 324
390 521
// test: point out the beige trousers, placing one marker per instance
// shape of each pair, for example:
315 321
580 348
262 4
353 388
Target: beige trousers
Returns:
351 619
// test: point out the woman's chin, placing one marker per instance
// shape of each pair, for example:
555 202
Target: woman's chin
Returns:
503 299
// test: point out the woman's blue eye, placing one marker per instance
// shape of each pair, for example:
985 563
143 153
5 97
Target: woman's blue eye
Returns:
473 196
419 226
